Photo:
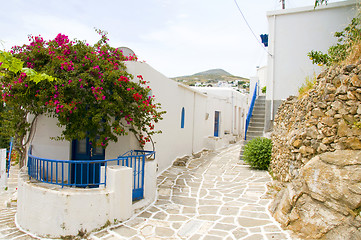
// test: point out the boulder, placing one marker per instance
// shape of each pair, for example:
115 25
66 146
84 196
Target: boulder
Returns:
324 200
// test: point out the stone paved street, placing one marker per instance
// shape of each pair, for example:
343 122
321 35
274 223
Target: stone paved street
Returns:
214 197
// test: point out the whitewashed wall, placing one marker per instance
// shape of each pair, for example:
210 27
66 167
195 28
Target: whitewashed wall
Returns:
199 104
52 211
292 34
3 174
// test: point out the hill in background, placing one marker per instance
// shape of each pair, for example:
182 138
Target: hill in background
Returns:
213 77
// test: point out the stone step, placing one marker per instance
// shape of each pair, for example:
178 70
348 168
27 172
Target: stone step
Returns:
256 128
256 124
258 115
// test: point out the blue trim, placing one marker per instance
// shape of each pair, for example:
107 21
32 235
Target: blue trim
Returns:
250 110
182 118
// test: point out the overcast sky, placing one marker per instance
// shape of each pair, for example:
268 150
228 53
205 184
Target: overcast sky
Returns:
176 37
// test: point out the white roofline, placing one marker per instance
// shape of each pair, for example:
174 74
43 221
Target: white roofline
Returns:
191 89
311 8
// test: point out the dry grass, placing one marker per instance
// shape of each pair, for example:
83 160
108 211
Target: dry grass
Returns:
307 86
355 54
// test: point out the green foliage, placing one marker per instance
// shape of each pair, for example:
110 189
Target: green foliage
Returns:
264 89
257 153
309 84
319 2
345 40
85 87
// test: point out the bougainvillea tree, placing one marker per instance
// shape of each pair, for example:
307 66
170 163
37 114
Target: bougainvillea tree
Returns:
86 87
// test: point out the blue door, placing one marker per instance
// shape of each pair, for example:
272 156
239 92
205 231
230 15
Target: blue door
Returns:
86 173
216 123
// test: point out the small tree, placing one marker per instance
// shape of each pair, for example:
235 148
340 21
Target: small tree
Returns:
85 87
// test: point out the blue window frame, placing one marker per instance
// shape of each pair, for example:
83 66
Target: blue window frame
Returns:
182 117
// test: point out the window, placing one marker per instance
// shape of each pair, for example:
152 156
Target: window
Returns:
182 118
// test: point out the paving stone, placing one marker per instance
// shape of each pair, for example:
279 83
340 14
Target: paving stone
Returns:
255 229
160 216
136 222
210 237
225 227
177 218
184 201
239 233
176 225
125 231
218 233
165 191
147 230
189 210
255 237
145 214
212 218
190 228
136 238
272 228
251 222
261 215
208 209
228 220
229 211
276 236
196 237
163 232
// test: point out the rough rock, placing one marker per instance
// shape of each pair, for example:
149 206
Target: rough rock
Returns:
316 157
324 200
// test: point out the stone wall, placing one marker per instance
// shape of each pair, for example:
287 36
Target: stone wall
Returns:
316 158
322 120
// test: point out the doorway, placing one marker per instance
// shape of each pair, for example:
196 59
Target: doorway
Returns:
216 123
86 173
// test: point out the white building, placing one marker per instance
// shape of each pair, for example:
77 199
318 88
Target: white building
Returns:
196 119
292 34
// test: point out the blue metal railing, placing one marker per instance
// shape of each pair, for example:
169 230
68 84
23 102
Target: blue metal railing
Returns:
250 110
8 152
88 173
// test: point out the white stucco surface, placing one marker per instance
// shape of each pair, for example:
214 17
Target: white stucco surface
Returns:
295 32
3 175
52 211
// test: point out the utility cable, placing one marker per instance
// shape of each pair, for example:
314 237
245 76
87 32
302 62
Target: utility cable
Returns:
244 18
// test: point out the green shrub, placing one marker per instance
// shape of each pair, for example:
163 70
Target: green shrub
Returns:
257 153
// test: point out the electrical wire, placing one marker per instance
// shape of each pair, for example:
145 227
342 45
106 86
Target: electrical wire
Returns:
244 18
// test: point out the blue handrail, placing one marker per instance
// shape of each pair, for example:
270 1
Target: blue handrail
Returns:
9 156
250 111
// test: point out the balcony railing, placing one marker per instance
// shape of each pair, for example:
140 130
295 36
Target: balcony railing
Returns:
88 173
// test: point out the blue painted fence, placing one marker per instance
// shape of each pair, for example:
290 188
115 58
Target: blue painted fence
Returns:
250 110
61 172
